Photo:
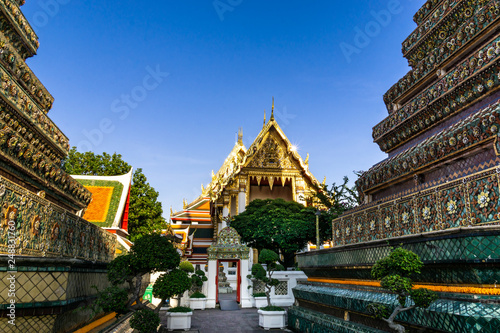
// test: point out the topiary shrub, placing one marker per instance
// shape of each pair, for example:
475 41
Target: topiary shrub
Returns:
186 266
197 280
395 272
173 283
198 295
269 258
145 321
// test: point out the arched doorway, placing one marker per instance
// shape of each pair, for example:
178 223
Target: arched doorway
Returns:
228 250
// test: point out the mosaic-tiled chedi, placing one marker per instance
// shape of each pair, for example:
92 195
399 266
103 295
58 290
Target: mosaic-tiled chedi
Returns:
436 194
49 256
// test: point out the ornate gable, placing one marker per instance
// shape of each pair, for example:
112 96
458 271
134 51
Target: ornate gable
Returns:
272 154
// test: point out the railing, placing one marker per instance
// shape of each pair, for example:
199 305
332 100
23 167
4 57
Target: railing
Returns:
33 226
467 201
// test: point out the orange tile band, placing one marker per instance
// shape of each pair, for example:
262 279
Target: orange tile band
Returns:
438 288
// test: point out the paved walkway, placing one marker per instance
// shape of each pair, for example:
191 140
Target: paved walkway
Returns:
217 321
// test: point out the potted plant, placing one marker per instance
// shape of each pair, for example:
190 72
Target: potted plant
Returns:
269 316
260 299
198 301
175 282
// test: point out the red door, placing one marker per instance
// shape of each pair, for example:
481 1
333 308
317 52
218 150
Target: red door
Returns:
217 284
238 281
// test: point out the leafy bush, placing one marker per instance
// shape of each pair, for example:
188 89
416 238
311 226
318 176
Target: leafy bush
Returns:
112 299
395 272
171 284
145 321
378 311
198 295
180 309
272 308
259 295
186 266
197 279
269 258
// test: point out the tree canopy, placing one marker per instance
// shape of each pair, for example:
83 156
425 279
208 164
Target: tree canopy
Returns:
335 201
89 163
145 211
282 226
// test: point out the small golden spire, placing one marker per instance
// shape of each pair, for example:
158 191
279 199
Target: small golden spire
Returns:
264 119
307 159
184 203
171 211
213 175
324 181
240 136
272 111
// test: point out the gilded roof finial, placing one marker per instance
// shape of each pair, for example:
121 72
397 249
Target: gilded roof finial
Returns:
171 211
213 175
307 159
240 136
272 111
324 181
264 119
184 203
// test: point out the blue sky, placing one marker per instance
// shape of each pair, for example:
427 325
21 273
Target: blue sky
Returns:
167 84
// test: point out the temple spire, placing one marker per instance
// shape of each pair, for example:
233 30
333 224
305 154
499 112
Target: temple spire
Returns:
240 136
264 119
272 111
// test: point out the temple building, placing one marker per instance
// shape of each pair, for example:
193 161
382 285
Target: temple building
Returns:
436 194
270 168
51 257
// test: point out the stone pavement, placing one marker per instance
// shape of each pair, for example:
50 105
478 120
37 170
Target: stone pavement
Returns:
217 321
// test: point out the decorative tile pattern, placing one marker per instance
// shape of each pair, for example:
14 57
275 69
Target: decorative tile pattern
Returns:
304 320
446 315
470 201
46 230
39 324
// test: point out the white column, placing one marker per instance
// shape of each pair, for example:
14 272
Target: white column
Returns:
245 300
241 201
211 294
225 213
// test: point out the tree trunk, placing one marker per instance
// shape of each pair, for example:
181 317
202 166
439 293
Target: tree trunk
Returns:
397 327
136 289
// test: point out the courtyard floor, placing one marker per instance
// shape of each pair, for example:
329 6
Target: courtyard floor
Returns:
217 321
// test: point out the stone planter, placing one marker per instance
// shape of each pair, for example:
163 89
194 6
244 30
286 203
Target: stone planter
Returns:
260 302
179 320
197 303
271 319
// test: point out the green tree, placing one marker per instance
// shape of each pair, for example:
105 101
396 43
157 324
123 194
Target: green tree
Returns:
149 254
282 226
145 211
395 273
334 202
89 163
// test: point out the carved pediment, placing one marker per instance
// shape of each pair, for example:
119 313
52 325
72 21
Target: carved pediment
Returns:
272 154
